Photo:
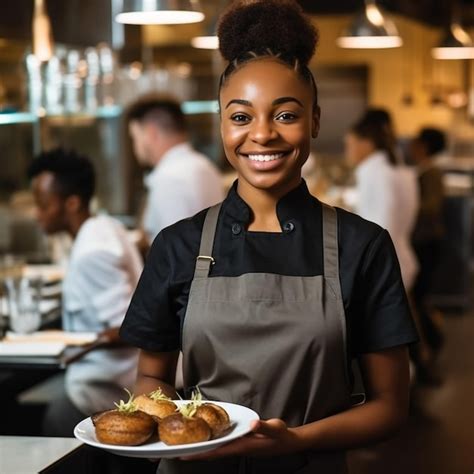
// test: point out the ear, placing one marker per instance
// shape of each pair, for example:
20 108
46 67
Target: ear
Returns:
315 121
73 204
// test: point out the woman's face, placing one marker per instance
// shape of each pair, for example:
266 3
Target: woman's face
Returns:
357 148
267 121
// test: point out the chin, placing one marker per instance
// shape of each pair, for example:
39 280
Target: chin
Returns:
268 182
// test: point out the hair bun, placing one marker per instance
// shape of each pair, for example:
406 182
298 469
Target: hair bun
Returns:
256 25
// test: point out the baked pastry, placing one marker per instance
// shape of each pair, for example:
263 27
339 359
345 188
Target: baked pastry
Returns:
183 428
156 404
126 425
196 421
215 416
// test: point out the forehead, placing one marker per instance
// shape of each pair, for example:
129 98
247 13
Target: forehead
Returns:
263 80
44 183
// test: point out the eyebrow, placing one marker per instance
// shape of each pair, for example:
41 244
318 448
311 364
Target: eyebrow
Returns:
279 101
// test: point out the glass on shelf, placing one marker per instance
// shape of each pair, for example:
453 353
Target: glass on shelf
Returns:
91 80
53 86
23 297
72 82
11 267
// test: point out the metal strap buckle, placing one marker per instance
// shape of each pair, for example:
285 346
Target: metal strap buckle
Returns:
205 257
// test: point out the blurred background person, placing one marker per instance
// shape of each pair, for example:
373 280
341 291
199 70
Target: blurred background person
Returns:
182 181
103 270
387 191
428 233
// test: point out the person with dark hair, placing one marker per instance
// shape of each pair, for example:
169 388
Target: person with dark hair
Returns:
270 294
101 275
429 229
387 191
182 181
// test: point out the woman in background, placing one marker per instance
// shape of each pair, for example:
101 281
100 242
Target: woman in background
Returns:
387 189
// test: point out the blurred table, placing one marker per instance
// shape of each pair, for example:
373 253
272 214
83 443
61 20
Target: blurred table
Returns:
28 455
53 363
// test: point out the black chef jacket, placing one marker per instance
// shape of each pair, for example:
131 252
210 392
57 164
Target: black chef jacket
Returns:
376 308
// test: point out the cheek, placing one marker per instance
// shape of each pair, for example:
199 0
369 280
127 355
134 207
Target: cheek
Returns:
232 137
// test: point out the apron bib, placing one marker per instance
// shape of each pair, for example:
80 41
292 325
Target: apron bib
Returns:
274 343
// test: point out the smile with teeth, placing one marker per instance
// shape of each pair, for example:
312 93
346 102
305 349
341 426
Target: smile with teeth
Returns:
266 157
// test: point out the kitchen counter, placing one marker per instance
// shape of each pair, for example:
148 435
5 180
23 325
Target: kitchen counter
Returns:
29 455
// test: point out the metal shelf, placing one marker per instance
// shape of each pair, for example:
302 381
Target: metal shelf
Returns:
193 107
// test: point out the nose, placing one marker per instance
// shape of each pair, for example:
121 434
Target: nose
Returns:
263 131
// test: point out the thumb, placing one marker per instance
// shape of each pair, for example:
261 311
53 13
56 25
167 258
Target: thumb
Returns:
272 428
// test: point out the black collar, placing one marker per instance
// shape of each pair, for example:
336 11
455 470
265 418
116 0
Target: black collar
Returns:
294 205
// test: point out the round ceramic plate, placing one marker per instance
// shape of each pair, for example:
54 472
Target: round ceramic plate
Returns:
240 417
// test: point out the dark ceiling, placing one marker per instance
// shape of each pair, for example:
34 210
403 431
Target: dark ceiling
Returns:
84 22
434 12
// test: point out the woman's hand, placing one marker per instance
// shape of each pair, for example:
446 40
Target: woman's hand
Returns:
270 437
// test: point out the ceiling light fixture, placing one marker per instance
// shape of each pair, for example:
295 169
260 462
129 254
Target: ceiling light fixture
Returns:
371 29
160 12
457 44
205 42
42 33
209 38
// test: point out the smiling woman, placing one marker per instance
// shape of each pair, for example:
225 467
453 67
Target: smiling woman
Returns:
270 294
266 133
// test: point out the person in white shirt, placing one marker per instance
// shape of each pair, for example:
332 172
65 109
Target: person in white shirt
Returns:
387 191
102 273
182 181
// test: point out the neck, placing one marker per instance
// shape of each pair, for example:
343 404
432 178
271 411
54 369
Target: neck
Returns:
171 142
263 204
76 222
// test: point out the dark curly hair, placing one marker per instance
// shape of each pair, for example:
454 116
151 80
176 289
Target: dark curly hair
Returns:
433 139
73 173
252 29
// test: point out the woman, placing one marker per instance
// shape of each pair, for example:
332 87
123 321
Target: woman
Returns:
271 294
387 190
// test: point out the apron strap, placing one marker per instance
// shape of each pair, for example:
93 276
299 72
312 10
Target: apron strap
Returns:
204 260
330 244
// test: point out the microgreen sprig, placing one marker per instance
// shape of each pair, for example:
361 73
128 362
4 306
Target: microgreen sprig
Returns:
127 407
158 395
189 409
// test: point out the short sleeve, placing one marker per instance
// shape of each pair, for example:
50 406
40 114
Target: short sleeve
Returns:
382 315
150 323
106 286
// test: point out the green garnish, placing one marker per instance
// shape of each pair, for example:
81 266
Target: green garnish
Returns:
196 397
188 410
158 395
127 407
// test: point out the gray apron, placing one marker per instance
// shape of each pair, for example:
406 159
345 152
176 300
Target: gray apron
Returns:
274 343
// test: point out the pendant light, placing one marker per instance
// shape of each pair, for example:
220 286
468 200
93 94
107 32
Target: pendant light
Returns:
205 42
42 33
371 29
160 12
209 39
457 44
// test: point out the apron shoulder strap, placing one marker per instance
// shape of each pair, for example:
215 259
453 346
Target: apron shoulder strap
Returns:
204 260
330 242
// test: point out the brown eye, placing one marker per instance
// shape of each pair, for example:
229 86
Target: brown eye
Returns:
240 118
286 117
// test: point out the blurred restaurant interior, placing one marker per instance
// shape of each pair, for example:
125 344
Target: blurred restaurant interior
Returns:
68 72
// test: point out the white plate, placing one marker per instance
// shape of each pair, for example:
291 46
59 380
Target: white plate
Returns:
240 417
